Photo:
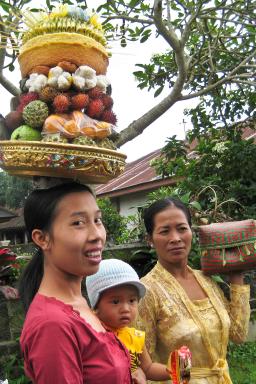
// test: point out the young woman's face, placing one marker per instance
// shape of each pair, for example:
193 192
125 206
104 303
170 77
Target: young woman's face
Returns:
171 236
77 236
118 306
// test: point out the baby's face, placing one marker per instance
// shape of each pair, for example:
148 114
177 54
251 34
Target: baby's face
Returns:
118 306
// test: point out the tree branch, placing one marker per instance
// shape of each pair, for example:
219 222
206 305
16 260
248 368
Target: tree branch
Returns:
224 80
7 84
169 35
128 18
250 83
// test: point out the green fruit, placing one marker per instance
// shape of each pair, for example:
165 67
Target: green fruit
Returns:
84 140
35 113
106 143
55 138
24 132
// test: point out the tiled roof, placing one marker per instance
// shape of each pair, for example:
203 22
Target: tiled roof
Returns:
13 224
136 173
6 213
249 133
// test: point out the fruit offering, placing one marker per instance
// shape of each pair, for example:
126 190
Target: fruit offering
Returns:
64 88
62 124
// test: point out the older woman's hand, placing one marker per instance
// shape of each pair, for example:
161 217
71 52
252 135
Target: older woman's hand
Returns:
236 278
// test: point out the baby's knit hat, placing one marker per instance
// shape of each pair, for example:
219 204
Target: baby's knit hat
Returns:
112 272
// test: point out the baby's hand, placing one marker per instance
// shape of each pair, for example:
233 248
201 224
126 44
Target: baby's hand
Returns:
138 377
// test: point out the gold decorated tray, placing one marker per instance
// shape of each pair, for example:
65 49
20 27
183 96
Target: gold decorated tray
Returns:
88 164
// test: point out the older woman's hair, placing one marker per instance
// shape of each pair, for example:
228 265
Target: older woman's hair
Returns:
159 206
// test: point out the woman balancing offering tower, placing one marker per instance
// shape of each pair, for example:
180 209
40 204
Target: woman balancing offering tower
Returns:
63 123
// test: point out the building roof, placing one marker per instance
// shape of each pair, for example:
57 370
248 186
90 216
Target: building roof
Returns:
6 214
13 224
137 176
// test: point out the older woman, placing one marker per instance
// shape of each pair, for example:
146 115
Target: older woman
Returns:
184 307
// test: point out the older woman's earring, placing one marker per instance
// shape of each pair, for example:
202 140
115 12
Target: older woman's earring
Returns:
151 245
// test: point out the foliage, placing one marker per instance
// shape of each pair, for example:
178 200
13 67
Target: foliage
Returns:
120 229
143 261
241 360
226 188
13 369
114 223
13 190
210 53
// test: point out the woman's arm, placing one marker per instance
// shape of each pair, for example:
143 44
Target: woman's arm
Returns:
238 307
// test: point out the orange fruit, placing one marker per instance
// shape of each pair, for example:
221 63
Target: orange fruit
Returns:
71 128
88 131
53 124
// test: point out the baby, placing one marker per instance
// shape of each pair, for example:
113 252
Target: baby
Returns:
114 292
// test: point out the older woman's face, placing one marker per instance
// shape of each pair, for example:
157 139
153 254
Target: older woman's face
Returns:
171 237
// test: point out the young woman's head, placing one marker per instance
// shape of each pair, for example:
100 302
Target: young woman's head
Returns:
168 224
65 224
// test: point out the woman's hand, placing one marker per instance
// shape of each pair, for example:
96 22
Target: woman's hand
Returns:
236 278
138 377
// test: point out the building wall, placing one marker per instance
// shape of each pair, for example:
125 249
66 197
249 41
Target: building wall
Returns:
128 204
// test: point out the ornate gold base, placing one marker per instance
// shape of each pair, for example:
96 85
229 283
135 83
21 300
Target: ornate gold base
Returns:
87 164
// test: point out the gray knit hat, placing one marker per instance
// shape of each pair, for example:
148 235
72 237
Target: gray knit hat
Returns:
112 272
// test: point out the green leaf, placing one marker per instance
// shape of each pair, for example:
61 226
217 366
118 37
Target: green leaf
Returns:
217 278
196 205
158 91
123 42
134 3
144 38
5 6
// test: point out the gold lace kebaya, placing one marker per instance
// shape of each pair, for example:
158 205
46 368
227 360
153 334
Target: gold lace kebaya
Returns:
170 320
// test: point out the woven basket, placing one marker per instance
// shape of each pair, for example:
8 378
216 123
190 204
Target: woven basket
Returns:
227 247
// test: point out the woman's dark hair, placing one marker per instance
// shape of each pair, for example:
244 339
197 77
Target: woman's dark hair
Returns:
39 212
160 205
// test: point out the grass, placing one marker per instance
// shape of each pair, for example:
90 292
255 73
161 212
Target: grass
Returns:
241 359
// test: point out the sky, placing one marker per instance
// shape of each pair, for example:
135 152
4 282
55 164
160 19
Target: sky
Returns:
129 101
